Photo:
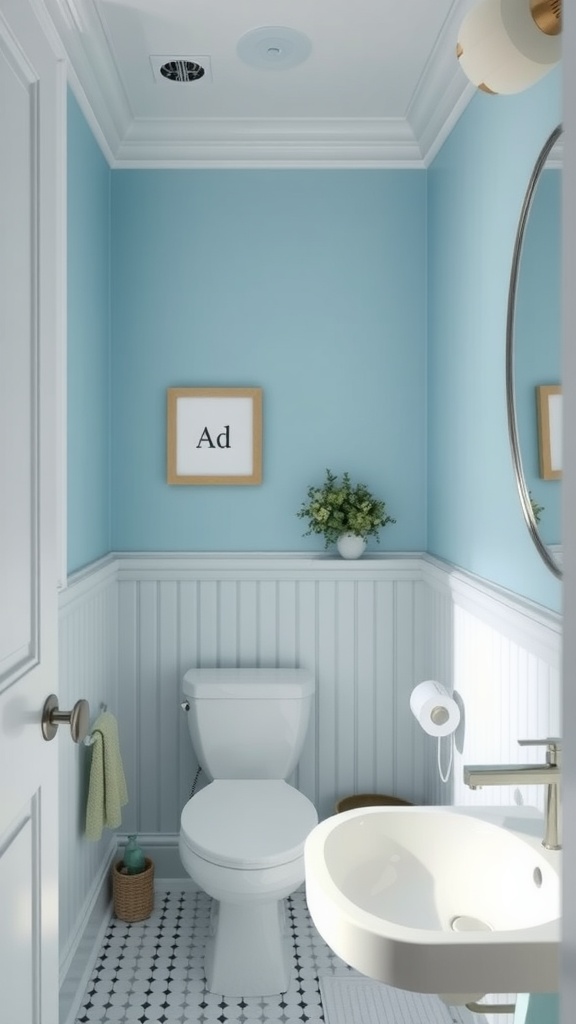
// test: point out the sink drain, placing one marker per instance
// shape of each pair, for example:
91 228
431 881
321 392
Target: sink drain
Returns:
464 923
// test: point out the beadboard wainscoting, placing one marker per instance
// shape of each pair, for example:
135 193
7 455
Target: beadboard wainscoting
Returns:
370 630
88 669
501 655
357 626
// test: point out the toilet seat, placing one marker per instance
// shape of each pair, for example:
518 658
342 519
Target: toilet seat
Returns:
247 823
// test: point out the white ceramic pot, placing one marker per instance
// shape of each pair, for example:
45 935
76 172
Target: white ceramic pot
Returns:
350 545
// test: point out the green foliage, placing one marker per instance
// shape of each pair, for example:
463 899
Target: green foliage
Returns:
335 508
537 509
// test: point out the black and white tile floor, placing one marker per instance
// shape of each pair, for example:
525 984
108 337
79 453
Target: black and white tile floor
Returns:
152 972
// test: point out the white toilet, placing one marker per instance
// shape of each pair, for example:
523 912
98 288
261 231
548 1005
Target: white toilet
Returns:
242 836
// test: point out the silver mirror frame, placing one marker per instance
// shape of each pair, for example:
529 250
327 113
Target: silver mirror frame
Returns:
525 502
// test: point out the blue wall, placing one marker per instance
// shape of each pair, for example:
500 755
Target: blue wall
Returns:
475 190
539 334
88 345
312 285
309 284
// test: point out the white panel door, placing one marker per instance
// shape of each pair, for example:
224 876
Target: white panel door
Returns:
31 97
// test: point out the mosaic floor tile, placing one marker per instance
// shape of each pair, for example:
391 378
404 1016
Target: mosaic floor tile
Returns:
152 972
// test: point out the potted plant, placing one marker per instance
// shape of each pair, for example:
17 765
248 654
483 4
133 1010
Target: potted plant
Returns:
344 514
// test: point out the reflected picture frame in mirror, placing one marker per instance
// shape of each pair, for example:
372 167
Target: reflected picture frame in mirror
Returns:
526 500
549 406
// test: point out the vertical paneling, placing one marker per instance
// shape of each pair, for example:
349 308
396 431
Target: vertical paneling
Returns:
169 684
492 656
346 705
88 633
146 722
305 655
368 637
360 633
405 734
128 695
268 619
503 662
365 688
228 623
287 623
208 624
419 673
328 646
248 623
369 632
188 657
384 726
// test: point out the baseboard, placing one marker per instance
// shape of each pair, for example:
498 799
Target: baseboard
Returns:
175 885
83 951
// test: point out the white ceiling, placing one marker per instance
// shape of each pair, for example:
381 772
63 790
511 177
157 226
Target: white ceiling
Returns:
381 85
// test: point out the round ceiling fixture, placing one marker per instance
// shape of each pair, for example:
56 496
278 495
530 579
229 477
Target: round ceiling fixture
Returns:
505 47
182 71
274 48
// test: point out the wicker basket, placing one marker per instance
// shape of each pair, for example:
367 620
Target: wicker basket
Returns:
351 803
133 894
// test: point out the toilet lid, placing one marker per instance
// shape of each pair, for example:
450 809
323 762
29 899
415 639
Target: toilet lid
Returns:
248 823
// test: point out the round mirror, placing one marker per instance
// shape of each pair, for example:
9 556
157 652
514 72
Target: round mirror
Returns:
533 355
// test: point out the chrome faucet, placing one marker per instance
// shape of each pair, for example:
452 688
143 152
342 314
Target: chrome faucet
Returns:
548 774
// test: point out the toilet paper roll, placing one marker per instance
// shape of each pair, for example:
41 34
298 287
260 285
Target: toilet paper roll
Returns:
434 708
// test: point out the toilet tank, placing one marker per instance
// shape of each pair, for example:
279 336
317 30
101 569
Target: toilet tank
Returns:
248 723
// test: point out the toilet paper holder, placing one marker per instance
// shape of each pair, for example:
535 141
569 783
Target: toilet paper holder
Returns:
434 708
438 714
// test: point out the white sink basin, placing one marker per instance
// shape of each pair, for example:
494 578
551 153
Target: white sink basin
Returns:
438 899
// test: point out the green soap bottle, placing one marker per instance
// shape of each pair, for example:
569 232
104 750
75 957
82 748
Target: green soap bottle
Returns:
134 860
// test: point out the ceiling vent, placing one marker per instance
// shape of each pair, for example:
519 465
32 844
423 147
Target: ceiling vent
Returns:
188 70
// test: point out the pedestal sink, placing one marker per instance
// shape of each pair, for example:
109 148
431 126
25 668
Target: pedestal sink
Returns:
438 899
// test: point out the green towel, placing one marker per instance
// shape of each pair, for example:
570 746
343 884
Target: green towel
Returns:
107 792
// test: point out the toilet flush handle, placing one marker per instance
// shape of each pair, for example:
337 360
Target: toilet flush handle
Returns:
185 705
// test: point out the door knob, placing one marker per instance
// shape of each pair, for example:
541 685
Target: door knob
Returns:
78 718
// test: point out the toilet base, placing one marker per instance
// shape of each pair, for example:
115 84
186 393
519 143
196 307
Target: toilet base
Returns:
249 953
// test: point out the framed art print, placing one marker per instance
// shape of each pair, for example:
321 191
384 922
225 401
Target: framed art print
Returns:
549 407
214 435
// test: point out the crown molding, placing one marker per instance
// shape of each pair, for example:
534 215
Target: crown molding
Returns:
92 72
250 143
127 142
443 92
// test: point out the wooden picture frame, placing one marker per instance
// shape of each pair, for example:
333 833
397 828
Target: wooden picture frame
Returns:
214 435
549 413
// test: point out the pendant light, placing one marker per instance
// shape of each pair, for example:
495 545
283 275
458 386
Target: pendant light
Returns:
505 46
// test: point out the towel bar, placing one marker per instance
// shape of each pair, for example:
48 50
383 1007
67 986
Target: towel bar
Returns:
89 739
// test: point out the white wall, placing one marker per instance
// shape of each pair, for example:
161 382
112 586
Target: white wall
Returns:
369 630
88 668
501 655
355 625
